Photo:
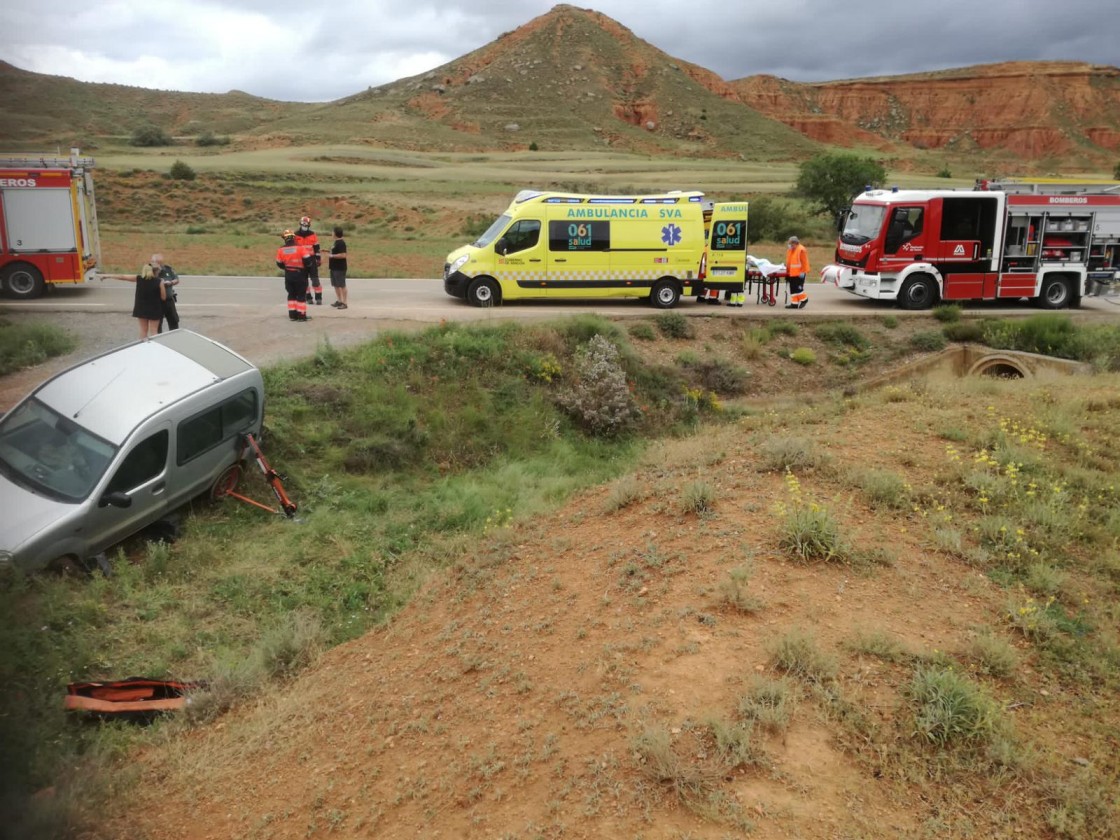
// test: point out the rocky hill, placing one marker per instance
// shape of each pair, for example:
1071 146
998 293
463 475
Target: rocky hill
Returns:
39 109
1053 112
576 79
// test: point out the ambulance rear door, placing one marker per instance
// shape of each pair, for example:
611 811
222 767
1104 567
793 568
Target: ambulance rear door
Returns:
727 246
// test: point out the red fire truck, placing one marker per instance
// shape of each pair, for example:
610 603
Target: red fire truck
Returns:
1051 242
48 223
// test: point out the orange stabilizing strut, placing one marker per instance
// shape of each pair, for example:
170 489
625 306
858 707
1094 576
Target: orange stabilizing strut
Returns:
273 478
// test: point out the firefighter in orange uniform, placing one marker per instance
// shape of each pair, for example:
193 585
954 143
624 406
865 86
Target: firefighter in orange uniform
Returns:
296 260
797 268
306 236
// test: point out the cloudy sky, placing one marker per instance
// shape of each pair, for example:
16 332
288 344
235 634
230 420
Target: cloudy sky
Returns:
318 51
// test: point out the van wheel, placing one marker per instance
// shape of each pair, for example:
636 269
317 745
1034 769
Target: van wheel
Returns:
1055 293
665 294
919 292
23 280
484 292
226 482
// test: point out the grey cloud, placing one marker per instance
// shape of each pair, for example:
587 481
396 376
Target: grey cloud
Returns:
332 50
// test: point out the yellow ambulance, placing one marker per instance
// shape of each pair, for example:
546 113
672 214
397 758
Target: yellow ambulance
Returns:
563 245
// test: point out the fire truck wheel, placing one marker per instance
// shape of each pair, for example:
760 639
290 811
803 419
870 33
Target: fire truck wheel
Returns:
23 280
225 482
1055 293
919 292
665 293
484 292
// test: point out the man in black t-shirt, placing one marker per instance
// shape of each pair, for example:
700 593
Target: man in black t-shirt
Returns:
337 266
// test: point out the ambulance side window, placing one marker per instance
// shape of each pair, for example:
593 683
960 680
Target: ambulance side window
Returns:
522 235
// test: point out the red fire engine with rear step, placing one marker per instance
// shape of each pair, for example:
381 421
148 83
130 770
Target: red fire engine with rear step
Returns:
1051 242
48 223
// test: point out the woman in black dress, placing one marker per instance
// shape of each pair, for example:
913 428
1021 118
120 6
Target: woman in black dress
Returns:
150 295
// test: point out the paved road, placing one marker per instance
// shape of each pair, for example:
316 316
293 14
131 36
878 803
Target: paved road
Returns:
425 300
249 314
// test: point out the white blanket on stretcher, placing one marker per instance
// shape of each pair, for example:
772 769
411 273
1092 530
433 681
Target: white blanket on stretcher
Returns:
764 266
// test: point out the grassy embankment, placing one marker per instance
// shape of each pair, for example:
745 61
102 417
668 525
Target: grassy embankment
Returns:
407 454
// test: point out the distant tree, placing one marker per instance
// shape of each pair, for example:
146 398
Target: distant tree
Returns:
773 220
1116 172
533 146
181 171
150 135
944 172
830 181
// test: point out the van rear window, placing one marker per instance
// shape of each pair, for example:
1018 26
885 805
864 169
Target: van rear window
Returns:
216 425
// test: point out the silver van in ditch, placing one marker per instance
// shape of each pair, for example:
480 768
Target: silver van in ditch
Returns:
106 448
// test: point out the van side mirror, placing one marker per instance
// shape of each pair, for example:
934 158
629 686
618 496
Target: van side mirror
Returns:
502 246
117 499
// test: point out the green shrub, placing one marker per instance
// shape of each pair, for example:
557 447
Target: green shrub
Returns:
811 534
950 708
208 138
195 230
842 335
928 341
735 591
26 345
782 327
972 331
642 331
698 497
944 172
884 489
993 655
803 356
780 454
888 321
150 135
947 313
796 654
674 325
599 398
533 147
182 172
719 376
768 703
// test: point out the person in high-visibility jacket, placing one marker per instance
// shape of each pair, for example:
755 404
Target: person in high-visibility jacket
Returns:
296 260
306 236
797 268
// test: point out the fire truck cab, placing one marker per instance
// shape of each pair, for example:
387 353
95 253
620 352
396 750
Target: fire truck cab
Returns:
1049 242
48 223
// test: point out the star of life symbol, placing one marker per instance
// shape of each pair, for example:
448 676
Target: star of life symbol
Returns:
671 235
958 251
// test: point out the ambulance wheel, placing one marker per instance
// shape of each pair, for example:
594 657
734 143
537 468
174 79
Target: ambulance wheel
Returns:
225 483
919 292
23 280
484 292
1055 293
665 294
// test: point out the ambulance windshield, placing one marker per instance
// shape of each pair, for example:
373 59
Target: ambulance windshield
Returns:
492 232
863 223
